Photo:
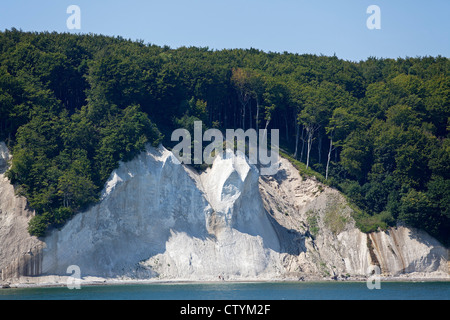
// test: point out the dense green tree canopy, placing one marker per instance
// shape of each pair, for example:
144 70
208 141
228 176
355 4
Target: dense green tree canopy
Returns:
73 106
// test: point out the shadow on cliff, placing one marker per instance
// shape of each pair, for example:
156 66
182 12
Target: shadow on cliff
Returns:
291 241
423 237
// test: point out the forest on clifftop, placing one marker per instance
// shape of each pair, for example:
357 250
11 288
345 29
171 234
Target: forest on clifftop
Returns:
73 106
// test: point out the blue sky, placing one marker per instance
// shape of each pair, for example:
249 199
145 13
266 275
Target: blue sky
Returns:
408 28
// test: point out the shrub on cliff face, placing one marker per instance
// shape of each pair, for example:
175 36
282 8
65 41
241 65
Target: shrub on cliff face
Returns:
39 224
334 218
313 223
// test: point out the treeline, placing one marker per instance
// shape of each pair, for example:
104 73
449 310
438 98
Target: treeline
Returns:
72 106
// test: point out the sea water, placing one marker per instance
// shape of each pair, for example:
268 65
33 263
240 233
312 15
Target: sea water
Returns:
239 291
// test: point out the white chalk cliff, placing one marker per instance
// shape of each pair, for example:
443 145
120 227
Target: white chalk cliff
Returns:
158 219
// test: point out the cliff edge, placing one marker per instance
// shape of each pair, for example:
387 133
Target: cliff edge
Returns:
158 219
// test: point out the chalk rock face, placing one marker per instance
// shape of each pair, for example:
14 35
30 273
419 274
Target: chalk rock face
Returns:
144 202
404 250
231 188
19 252
162 220
240 241
158 218
332 245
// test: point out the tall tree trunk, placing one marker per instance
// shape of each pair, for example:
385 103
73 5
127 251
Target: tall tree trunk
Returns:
310 136
303 143
265 129
329 157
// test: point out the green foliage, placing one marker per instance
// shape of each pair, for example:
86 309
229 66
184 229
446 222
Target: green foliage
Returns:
73 106
429 210
312 221
334 219
39 224
370 223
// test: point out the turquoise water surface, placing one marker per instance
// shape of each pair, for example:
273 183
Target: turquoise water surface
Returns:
239 291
